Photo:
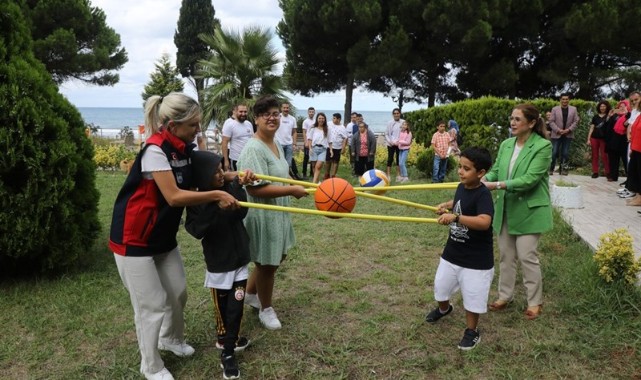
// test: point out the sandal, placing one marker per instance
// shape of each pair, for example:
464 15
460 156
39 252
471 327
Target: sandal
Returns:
499 305
531 314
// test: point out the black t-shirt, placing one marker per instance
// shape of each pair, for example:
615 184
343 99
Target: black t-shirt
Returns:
564 112
599 126
468 248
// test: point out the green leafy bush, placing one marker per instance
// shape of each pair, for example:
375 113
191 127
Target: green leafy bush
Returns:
108 157
615 257
481 118
47 176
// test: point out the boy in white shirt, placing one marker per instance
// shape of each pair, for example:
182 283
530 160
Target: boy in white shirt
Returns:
338 140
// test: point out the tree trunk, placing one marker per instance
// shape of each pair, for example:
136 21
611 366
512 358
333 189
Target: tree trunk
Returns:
431 90
200 85
349 91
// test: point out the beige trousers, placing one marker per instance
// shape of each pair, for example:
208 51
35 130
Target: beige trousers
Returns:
158 293
524 249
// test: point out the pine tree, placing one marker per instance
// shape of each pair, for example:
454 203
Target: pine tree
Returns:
48 196
163 80
196 17
73 41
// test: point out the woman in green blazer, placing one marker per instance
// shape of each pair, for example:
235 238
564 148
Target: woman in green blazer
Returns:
522 206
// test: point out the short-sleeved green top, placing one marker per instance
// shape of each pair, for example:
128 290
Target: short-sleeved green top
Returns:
270 232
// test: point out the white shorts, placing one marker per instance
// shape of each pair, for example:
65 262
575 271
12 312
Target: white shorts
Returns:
474 285
225 280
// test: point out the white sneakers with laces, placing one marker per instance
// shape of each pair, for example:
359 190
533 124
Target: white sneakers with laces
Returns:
269 319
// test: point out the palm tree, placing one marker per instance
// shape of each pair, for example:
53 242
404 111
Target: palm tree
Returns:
239 69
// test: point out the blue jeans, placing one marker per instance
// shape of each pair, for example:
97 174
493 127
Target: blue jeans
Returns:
403 161
289 152
561 144
440 167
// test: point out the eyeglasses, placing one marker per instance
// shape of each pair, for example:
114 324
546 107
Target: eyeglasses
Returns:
514 118
267 115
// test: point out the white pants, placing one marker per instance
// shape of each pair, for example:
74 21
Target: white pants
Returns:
158 292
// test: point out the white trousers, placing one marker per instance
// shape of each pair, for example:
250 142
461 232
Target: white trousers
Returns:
158 292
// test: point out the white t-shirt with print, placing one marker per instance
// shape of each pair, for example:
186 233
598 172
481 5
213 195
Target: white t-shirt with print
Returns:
284 132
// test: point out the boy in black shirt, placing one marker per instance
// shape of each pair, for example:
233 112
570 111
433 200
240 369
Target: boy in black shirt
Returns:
467 262
226 249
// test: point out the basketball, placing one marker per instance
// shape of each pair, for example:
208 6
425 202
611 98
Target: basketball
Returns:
374 178
335 194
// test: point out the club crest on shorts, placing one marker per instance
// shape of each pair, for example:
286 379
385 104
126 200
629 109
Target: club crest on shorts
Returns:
239 294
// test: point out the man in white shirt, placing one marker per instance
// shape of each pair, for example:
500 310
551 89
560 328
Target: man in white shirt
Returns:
286 133
236 133
232 117
392 133
338 139
307 124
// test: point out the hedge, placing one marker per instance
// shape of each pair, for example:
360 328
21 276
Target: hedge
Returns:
481 118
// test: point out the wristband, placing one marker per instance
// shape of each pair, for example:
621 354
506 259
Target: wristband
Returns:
498 186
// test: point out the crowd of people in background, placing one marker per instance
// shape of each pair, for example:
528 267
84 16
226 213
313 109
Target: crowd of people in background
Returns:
613 139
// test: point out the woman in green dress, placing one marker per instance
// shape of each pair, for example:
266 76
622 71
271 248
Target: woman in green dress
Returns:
271 233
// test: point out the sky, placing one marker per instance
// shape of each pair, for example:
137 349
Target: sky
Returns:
146 30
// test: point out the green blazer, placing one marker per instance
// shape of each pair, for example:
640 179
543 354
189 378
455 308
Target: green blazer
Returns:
525 201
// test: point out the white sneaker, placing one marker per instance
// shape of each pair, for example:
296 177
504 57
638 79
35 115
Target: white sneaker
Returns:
405 179
180 349
252 300
399 178
269 319
629 194
163 374
622 190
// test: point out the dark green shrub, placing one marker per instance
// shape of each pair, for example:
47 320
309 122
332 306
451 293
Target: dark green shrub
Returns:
47 177
479 119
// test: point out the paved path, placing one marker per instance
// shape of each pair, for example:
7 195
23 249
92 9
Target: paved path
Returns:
603 211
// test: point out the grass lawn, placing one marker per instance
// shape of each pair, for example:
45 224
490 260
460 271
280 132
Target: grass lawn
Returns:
352 297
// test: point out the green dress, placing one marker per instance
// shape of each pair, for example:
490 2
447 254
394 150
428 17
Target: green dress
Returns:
271 233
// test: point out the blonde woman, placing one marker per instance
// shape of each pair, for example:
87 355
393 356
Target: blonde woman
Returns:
145 222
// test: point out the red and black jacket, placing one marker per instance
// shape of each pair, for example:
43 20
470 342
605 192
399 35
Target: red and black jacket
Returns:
143 223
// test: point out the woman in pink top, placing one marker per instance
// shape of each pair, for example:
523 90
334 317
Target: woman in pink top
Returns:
404 142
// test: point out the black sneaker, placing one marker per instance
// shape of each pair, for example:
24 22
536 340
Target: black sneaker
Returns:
229 366
436 314
470 340
241 344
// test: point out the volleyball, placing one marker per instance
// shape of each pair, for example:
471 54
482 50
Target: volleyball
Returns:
374 178
335 194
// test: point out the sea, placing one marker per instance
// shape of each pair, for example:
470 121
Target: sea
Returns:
111 120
